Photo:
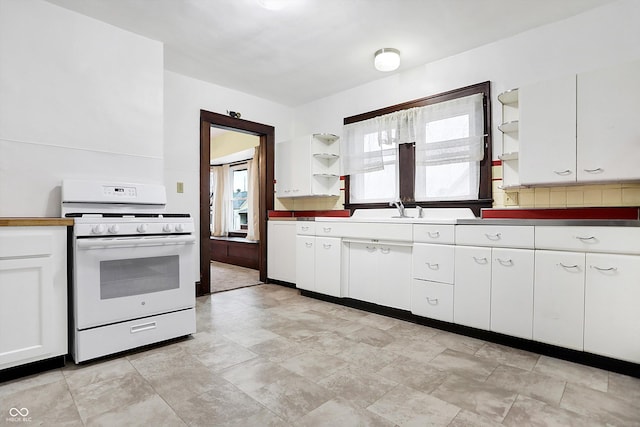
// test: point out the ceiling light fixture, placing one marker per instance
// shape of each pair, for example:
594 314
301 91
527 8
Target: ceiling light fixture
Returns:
273 4
387 59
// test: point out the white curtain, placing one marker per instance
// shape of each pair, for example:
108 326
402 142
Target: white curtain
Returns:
221 200
253 202
364 142
450 131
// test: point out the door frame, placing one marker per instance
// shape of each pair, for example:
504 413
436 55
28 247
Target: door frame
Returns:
266 165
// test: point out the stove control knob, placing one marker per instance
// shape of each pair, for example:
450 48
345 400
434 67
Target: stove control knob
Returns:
166 228
179 228
142 228
114 228
98 229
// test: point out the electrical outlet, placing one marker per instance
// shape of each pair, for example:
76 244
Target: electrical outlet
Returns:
180 187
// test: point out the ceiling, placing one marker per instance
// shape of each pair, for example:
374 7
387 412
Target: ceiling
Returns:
314 48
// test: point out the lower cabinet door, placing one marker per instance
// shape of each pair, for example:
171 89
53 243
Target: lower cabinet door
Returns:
27 322
512 292
328 257
363 279
558 304
432 299
393 264
305 262
472 289
612 314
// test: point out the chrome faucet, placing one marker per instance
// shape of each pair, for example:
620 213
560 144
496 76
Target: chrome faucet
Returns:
420 212
398 204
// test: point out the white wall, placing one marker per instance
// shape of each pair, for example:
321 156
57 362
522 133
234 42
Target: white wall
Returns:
184 97
78 99
602 36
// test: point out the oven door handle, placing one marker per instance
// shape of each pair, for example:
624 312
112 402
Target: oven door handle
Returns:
123 242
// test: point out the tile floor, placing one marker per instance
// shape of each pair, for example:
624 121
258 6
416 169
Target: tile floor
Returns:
267 356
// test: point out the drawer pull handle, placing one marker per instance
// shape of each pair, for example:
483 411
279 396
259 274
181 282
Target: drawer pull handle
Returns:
568 266
482 260
326 245
604 269
596 170
143 327
307 244
304 227
327 229
371 248
385 250
433 234
505 262
563 173
432 301
435 266
586 238
495 236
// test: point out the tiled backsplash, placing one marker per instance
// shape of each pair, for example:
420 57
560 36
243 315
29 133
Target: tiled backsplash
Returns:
620 194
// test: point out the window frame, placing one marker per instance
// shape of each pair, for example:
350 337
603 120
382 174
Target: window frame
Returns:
406 154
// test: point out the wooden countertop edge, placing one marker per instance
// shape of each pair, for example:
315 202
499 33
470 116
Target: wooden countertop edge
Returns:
36 222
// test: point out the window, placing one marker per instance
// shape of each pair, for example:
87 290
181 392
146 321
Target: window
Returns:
432 151
239 207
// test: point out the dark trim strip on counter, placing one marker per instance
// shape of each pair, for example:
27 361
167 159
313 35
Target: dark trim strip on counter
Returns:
611 213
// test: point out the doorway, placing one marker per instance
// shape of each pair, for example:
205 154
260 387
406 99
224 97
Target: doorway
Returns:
266 134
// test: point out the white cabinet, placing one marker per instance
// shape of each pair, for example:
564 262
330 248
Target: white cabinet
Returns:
558 316
305 262
431 299
512 292
505 267
432 284
380 273
581 128
308 166
608 127
612 318
548 131
327 268
33 294
318 261
433 262
472 289
281 250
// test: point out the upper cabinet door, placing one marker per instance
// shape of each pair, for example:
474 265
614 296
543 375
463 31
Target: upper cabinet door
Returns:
548 131
608 125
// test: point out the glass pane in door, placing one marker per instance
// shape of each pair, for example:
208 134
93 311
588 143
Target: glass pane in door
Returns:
137 276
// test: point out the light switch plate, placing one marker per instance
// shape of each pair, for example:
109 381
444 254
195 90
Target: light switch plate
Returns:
180 187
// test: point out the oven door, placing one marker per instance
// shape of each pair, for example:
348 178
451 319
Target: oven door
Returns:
124 278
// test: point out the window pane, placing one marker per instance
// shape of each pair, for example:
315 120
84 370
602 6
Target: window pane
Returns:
239 201
378 186
454 181
449 128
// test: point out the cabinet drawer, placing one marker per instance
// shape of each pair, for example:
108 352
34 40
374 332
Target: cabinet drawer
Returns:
511 236
432 233
433 300
306 228
329 229
433 262
624 240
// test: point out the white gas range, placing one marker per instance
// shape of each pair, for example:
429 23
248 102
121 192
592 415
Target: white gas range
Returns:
132 269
